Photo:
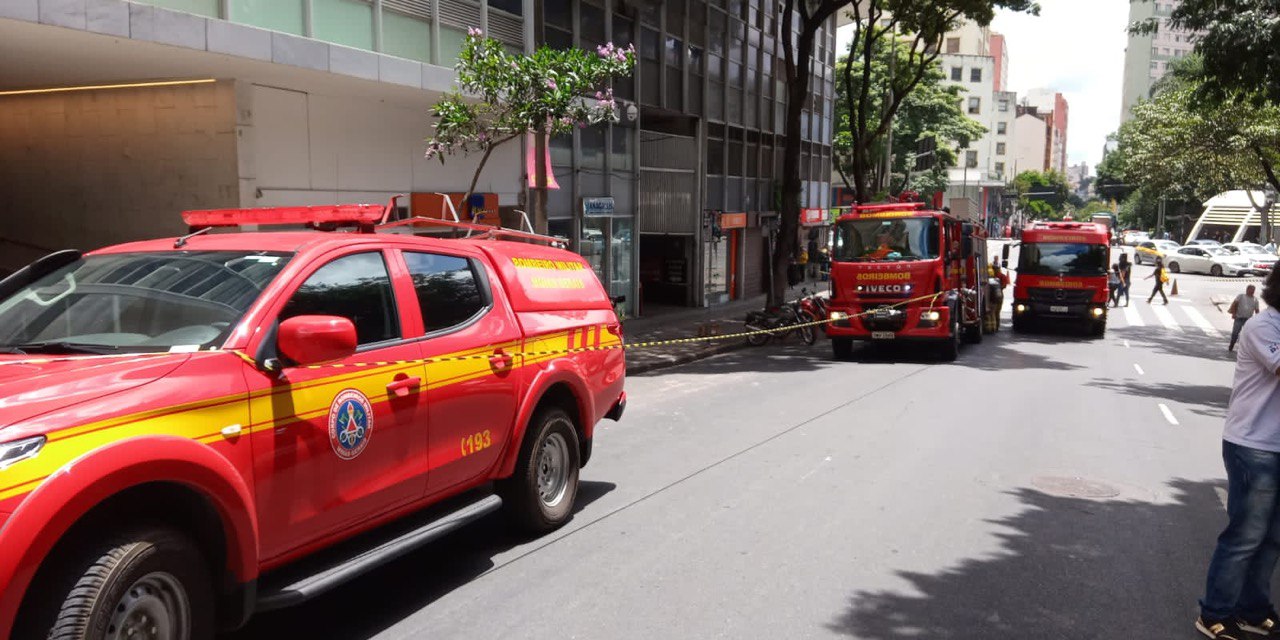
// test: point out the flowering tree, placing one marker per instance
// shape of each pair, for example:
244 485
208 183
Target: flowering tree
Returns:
501 96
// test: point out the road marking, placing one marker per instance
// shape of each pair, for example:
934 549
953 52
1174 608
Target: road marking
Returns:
1166 318
1222 496
1168 415
1202 322
815 469
1131 316
1126 344
1139 369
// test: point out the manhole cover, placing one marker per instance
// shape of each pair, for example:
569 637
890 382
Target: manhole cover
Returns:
1065 487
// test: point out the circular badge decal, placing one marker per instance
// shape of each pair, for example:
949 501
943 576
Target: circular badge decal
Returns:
350 423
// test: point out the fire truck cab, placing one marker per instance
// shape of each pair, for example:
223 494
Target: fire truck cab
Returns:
902 272
1062 275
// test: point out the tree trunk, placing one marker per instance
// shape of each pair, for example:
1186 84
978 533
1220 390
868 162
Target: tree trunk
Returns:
788 236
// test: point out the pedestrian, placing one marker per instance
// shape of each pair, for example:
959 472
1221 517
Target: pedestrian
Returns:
1245 306
1114 285
1237 596
1126 276
1161 277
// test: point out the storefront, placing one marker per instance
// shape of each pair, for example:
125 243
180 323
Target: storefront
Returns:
722 256
605 242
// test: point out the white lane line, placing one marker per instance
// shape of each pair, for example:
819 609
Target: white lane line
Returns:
1131 316
1202 322
1222 496
1168 415
1126 344
1139 369
1166 318
815 469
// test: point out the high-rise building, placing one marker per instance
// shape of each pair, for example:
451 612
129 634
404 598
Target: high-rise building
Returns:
1050 106
1147 56
243 103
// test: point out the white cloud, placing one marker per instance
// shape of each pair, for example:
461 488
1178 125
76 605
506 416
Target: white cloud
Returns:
1073 46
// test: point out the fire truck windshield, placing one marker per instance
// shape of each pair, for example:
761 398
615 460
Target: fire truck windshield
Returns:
136 302
1061 259
876 239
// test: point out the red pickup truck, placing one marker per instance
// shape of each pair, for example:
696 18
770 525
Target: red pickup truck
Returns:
188 421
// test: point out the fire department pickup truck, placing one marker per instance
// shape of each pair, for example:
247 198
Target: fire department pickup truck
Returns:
188 421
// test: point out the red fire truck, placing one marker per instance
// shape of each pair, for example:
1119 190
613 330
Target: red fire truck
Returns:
902 272
1062 275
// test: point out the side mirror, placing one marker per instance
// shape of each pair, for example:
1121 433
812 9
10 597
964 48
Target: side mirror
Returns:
1004 254
316 339
1004 264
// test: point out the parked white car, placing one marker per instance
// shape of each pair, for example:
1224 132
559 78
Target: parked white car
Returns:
1214 261
1263 260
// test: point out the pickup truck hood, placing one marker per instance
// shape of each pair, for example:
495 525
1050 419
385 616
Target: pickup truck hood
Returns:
33 385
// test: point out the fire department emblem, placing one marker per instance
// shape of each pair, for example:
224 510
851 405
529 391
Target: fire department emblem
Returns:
350 423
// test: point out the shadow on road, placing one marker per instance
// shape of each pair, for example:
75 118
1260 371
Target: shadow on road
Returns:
1070 568
1204 399
370 604
1193 342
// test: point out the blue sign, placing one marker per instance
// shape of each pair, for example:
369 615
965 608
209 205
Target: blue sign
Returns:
597 207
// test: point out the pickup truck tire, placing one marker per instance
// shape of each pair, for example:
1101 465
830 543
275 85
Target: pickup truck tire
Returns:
148 583
539 496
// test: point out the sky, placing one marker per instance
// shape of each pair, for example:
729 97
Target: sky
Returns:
1073 46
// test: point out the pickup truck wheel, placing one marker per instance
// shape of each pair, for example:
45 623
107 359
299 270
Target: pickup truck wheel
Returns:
151 584
539 496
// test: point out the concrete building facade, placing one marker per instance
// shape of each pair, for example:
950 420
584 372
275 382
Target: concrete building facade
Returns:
1052 107
1147 56
125 113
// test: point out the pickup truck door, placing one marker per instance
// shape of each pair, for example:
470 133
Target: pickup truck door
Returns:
334 445
473 373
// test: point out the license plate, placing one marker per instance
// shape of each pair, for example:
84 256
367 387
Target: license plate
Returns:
1057 309
882 335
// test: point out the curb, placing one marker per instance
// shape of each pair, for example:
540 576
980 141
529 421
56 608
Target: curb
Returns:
701 354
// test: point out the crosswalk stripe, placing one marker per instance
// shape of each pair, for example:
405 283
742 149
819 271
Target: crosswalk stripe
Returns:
1131 316
1202 322
1166 318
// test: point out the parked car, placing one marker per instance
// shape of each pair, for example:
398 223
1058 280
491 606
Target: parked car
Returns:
1134 237
1262 259
1149 250
1204 242
1214 261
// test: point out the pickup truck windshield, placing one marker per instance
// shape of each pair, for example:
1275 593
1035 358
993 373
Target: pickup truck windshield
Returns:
136 302
1061 259
886 239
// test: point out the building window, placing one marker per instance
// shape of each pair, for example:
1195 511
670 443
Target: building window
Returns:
971 159
953 45
345 22
955 73
1155 65
1000 168
1002 128
975 104
1155 51
1000 147
1003 106
975 74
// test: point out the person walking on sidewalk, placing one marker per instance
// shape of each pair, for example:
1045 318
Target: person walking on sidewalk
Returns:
1245 306
1237 597
1161 277
1126 277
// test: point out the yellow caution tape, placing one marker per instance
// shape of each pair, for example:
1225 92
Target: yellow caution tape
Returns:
484 356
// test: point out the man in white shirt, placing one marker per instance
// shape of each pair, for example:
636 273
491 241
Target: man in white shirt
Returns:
1245 306
1237 595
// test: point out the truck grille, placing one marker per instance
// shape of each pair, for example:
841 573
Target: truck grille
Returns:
1060 296
889 319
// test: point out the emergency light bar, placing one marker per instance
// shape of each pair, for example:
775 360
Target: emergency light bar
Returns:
358 215
892 206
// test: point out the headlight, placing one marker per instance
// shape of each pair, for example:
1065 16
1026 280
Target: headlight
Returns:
839 315
1097 312
1019 308
19 450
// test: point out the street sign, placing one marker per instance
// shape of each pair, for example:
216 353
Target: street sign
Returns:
810 217
597 207
733 220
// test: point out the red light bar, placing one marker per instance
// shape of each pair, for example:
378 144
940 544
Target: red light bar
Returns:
360 215
892 206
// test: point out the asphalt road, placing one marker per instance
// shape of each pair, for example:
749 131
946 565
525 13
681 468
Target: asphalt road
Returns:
1043 486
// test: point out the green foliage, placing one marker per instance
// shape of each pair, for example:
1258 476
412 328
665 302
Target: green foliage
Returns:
1094 206
1042 194
501 96
1179 146
872 96
1240 46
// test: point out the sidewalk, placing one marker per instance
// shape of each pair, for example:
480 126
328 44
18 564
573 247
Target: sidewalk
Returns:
686 323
